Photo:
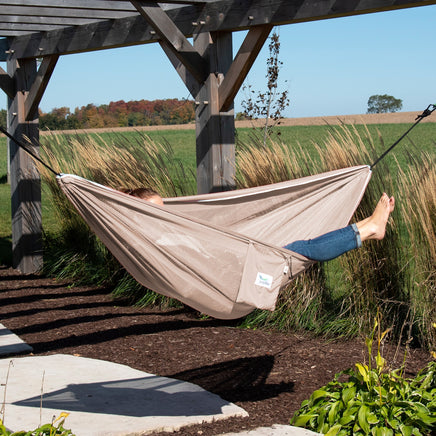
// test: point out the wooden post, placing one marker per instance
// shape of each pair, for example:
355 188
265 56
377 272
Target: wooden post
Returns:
215 130
203 67
25 179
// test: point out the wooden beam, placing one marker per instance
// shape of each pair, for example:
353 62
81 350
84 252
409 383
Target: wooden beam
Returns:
219 15
38 87
241 65
76 4
6 83
19 28
102 35
66 12
93 4
55 21
174 38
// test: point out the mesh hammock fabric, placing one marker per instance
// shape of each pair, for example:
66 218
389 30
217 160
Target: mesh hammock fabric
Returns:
219 253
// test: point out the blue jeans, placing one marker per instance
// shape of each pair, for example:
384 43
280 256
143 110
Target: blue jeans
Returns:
328 246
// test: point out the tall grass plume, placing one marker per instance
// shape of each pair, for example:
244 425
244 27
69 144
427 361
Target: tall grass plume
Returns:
76 253
342 297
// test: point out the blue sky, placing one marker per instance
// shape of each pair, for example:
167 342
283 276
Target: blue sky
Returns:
330 67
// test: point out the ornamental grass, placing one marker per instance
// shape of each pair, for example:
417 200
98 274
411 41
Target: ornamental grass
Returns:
340 298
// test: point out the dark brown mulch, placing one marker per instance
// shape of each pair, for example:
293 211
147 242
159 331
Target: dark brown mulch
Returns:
266 373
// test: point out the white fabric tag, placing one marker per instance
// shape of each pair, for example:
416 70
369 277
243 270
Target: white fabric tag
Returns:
264 280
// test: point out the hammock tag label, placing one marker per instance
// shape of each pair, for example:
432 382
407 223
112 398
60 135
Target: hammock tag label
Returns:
264 280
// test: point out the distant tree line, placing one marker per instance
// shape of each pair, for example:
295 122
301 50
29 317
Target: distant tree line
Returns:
160 112
116 114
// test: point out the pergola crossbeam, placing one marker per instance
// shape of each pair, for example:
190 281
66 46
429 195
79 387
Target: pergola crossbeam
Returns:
213 16
68 40
241 65
105 14
38 87
174 39
17 20
74 4
6 83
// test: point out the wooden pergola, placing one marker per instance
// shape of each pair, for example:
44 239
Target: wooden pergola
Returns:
37 32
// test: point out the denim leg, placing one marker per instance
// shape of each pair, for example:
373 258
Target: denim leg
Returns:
328 246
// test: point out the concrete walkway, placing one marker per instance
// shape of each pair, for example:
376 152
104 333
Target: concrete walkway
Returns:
276 430
104 398
10 343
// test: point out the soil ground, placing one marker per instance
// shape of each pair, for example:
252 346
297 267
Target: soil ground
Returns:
266 373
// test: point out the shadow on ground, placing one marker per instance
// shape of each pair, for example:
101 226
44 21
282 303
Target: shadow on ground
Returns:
238 380
6 251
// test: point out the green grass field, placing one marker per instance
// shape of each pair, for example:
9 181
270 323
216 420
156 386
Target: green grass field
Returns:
181 141
423 137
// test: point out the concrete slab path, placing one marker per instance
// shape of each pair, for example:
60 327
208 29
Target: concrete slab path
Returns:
10 343
102 398
275 430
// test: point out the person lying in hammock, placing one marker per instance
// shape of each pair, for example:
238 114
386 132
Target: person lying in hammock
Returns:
329 245
145 193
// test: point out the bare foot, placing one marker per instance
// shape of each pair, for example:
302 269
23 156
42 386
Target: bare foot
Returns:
374 227
391 204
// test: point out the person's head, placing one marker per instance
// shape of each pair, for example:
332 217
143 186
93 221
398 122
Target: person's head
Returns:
147 194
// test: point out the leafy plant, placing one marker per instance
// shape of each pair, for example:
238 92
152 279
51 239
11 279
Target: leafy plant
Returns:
373 401
56 428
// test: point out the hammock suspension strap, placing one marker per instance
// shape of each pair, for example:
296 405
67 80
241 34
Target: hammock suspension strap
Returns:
26 149
430 108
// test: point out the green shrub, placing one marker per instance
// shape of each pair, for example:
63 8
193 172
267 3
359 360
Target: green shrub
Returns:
373 400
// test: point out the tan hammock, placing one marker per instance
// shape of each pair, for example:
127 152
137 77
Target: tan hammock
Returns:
219 253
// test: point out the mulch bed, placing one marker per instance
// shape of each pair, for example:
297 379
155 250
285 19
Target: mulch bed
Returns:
266 373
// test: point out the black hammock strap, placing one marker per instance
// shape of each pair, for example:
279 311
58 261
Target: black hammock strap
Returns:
418 119
27 150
